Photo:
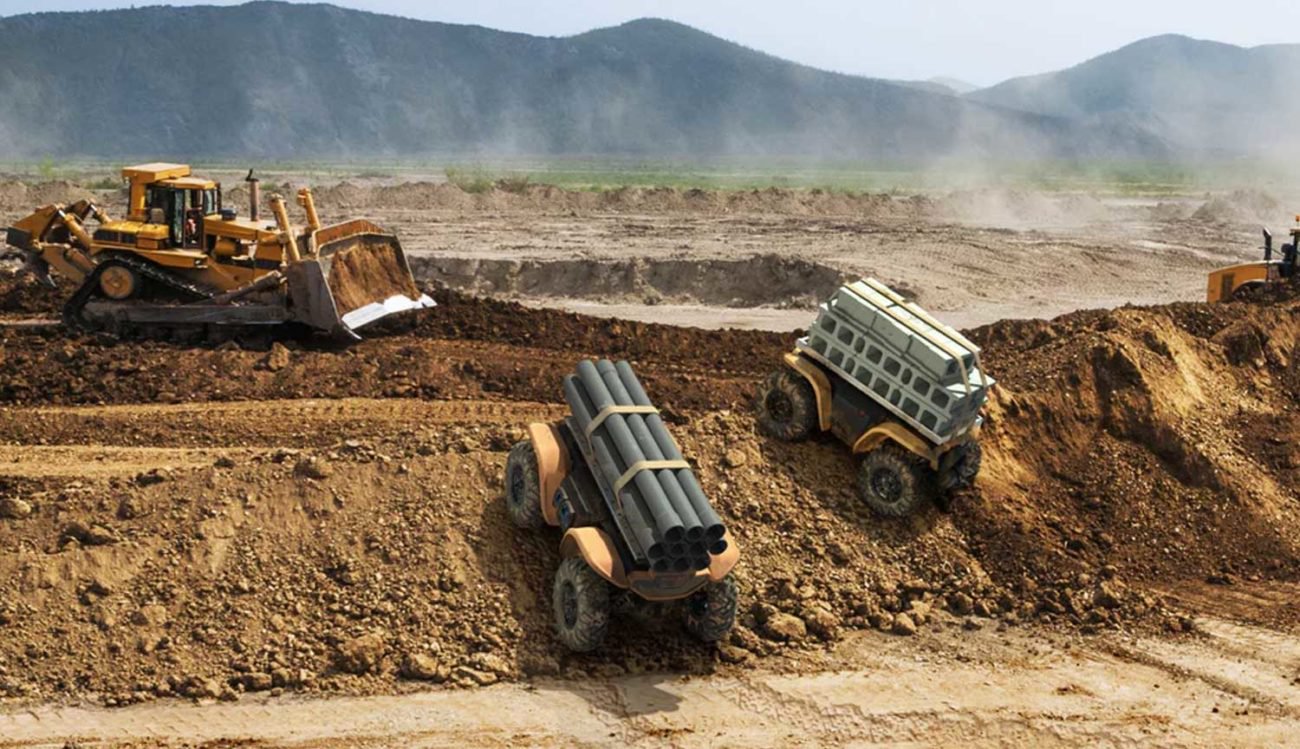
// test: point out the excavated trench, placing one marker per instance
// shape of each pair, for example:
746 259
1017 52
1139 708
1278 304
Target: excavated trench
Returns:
756 281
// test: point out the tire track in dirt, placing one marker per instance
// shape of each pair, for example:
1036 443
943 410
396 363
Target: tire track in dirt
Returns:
260 424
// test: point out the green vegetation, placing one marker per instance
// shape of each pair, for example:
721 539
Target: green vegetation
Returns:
471 181
1122 179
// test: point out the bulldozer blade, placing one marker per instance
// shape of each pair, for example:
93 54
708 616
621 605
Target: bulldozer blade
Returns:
359 275
39 269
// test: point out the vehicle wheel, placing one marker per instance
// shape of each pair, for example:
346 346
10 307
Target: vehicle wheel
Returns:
119 282
711 613
787 406
581 604
523 487
894 482
1248 292
960 466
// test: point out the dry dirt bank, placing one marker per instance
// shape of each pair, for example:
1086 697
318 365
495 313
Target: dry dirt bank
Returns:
336 540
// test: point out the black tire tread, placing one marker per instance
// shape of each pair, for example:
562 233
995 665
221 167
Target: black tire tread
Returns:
711 612
525 511
588 632
919 486
803 421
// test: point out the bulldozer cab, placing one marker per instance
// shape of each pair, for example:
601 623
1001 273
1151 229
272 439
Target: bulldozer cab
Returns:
183 209
167 194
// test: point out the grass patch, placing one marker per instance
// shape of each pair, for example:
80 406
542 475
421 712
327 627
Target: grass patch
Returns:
597 174
516 184
471 181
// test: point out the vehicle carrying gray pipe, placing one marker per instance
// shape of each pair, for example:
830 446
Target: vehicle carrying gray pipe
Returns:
677 496
672 524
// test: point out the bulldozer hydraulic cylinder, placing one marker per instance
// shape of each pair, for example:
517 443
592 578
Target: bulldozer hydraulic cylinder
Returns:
77 230
286 230
308 204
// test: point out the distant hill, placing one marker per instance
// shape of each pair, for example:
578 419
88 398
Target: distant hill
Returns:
1207 97
956 85
275 80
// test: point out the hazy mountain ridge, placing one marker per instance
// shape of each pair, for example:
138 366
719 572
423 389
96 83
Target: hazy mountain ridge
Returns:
298 81
1205 97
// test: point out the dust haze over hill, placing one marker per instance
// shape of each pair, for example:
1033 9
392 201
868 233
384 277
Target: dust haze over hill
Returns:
1206 98
316 81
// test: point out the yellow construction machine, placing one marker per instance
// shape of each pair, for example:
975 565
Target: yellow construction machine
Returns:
1234 281
182 260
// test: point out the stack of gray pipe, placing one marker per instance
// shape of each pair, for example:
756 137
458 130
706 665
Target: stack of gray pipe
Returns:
668 520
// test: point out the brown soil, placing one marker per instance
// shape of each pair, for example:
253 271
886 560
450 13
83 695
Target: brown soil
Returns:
246 526
366 271
20 295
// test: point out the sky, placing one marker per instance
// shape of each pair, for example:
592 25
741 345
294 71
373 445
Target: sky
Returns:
980 41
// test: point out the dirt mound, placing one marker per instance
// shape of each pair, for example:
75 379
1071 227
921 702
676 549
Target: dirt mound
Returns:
20 294
346 197
498 348
1020 208
1153 440
362 545
17 197
761 280
1239 207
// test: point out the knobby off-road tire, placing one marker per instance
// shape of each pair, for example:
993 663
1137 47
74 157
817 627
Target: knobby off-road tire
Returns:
787 406
581 603
894 482
523 487
711 612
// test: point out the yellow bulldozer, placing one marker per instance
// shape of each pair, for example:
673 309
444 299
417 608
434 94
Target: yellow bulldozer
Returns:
182 260
1235 281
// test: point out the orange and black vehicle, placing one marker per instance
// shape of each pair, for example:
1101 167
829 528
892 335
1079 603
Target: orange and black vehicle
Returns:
633 517
182 258
1244 279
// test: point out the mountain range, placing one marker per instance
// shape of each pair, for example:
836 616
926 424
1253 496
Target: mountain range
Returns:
1204 98
289 81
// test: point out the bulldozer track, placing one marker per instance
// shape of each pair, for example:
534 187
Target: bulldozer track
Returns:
74 309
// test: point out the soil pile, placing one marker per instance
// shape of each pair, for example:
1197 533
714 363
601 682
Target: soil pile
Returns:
20 294
362 545
464 348
1239 207
1159 441
504 196
19 197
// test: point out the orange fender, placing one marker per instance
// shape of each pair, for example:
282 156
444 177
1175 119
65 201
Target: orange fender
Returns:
821 385
552 466
892 431
598 551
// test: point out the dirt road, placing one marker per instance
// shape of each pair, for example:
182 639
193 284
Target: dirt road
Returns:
1234 685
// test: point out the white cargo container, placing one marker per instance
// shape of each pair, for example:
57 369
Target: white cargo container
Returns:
923 371
900 388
